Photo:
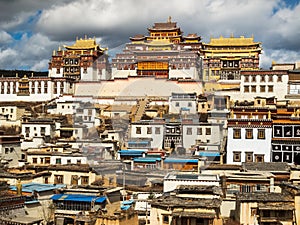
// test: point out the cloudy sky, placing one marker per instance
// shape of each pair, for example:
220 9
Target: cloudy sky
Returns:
31 29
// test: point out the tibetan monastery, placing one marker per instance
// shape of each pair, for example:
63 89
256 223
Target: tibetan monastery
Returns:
224 58
163 53
84 60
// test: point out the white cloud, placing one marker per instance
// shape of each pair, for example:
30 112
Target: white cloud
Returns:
40 65
5 38
29 52
279 56
114 21
7 58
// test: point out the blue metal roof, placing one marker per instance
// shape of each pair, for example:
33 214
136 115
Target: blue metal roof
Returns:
125 207
128 202
138 142
31 187
146 159
78 198
185 109
132 152
211 154
178 160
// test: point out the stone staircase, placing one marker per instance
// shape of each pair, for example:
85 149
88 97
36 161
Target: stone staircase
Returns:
140 109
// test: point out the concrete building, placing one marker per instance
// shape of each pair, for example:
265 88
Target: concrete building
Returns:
189 204
265 208
249 135
183 103
10 149
172 180
55 155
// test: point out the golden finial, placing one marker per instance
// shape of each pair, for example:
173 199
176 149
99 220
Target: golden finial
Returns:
85 36
231 114
169 19
231 35
16 75
269 115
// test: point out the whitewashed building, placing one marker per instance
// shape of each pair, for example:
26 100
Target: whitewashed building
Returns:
183 103
151 132
10 149
249 135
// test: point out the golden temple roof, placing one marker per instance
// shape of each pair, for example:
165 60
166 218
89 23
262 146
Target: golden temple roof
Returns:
85 43
159 43
232 41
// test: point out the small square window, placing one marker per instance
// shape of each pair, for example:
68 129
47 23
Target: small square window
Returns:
248 156
279 78
270 78
236 156
189 131
259 158
138 130
149 130
236 133
249 134
270 88
261 134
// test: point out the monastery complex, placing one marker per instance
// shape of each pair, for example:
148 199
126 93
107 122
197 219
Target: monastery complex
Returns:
170 130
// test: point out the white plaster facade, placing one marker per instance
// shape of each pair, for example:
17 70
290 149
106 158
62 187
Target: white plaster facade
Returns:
148 130
251 147
172 180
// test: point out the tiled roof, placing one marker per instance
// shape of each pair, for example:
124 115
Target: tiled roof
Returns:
264 197
173 201
267 166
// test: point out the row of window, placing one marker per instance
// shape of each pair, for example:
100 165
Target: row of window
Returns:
189 130
248 134
234 188
178 105
9 150
262 88
59 179
248 157
34 89
42 131
149 130
263 78
46 160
